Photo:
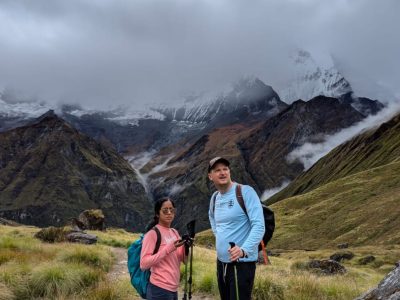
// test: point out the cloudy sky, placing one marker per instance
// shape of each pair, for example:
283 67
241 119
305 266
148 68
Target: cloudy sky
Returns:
138 51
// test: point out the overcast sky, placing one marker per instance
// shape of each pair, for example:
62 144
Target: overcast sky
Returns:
112 52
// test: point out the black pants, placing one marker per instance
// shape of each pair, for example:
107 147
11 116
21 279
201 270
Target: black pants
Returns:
226 280
156 293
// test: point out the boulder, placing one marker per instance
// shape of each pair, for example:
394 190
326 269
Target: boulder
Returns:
343 245
92 219
8 222
81 237
327 266
388 288
76 225
61 234
366 259
341 256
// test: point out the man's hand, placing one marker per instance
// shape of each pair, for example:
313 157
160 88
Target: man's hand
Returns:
235 253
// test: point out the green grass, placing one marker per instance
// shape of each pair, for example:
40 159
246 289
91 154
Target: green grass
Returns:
73 271
115 237
30 269
343 211
206 239
93 256
49 280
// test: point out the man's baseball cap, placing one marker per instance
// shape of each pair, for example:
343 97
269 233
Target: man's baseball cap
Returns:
216 160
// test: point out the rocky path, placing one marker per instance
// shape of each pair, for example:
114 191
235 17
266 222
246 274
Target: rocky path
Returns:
119 271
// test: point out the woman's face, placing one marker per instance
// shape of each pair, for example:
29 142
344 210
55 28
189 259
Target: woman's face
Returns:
167 214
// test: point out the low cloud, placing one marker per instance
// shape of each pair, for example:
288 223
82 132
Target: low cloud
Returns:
269 193
310 153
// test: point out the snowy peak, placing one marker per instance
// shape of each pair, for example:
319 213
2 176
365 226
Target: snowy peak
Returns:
311 79
248 94
22 109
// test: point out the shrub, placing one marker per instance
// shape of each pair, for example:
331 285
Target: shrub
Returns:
265 289
8 242
91 256
207 284
51 280
51 234
104 291
305 287
299 265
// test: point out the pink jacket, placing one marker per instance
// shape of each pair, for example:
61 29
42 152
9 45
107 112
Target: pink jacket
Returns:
164 265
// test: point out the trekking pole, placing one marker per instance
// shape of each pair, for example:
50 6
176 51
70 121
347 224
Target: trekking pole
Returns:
190 271
186 279
234 268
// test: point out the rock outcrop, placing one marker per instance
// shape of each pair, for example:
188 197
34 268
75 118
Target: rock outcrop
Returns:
92 219
341 256
327 266
62 234
387 289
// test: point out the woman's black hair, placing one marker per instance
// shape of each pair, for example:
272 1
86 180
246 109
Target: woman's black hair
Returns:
157 208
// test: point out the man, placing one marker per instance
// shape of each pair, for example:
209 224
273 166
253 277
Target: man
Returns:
230 223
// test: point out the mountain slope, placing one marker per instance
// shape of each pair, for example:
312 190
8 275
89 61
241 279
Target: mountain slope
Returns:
257 153
360 209
49 172
266 149
369 150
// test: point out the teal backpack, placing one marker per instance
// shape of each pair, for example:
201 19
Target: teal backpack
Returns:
139 278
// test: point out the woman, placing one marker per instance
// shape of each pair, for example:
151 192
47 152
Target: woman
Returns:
164 265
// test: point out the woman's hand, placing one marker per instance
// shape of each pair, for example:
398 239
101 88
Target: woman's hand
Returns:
178 243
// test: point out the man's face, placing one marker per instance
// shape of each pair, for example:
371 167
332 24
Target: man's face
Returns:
220 175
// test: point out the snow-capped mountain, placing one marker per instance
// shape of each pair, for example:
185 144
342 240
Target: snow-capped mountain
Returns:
249 96
17 109
247 101
16 113
310 80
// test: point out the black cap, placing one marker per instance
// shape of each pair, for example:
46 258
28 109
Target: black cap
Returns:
216 160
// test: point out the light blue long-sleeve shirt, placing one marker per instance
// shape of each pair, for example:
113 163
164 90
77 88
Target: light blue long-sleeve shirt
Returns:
230 223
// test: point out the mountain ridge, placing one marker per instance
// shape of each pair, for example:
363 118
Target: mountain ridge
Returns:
50 173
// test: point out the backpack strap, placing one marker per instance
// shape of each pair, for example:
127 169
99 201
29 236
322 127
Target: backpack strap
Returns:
213 197
158 242
239 197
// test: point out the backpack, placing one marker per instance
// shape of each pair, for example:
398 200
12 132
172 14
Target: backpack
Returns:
269 218
139 278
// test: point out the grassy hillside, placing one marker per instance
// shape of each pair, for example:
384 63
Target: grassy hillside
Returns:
361 209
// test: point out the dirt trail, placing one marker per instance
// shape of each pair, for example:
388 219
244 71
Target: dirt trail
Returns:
119 271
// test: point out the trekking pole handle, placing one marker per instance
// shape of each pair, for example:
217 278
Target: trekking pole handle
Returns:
232 244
